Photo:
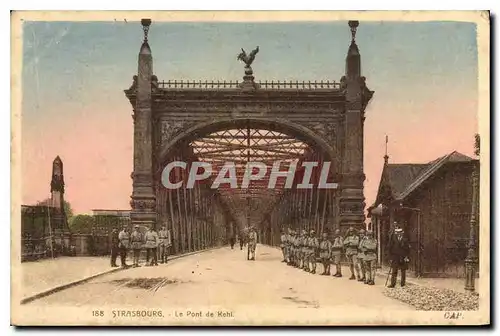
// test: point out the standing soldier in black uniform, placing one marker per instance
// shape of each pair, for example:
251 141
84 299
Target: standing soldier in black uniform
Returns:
232 240
399 249
325 250
92 243
336 254
115 241
242 240
351 243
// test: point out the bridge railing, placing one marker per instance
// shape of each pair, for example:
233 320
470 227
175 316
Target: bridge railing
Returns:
267 85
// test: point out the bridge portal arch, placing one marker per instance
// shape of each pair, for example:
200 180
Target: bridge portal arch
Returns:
328 115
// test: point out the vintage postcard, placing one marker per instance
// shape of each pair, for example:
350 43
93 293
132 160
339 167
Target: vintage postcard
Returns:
250 168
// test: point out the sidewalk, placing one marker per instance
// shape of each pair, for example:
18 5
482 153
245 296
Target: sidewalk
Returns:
39 278
46 274
455 284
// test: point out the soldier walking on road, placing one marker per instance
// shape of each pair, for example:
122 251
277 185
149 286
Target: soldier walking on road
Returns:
399 249
252 243
369 245
313 245
325 250
115 242
351 243
151 241
124 245
361 256
242 240
136 244
336 254
232 241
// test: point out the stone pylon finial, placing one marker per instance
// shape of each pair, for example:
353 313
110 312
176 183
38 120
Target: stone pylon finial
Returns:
145 27
354 25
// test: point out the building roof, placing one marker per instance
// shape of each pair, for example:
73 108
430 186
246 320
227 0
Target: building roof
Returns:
404 178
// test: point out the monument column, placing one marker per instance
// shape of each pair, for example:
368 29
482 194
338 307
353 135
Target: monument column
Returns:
352 200
143 201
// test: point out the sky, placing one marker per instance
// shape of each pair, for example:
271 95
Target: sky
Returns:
424 75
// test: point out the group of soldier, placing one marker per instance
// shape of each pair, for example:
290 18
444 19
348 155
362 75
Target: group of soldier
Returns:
155 243
303 250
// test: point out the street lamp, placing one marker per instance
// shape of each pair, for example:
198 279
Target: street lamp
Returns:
471 260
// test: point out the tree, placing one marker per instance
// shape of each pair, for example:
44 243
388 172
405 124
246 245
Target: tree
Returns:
477 144
82 224
69 211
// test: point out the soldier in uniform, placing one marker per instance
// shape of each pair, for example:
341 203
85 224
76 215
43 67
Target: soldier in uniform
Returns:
305 252
313 251
124 245
232 240
283 243
242 240
252 243
115 242
151 241
399 249
351 243
162 244
336 254
369 245
297 248
300 249
361 256
288 245
325 250
136 244
292 260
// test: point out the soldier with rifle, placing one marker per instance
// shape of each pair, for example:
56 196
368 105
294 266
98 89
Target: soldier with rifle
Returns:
336 254
325 250
351 243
